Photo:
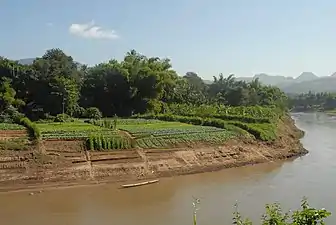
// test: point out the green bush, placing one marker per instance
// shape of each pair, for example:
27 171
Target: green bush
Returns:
33 131
106 123
61 118
254 114
93 113
79 112
264 133
274 215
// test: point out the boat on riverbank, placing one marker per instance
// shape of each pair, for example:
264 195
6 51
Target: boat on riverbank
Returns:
139 184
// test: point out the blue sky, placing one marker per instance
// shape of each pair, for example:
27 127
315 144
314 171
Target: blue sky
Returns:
243 37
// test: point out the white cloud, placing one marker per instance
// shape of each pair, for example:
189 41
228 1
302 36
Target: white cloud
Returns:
50 24
90 30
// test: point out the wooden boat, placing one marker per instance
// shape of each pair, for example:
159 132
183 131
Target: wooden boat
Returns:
139 184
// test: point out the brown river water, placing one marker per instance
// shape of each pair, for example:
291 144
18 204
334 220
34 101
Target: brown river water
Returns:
169 202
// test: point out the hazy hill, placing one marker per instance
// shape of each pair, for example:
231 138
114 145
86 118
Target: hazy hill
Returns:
306 76
307 81
26 61
322 84
268 79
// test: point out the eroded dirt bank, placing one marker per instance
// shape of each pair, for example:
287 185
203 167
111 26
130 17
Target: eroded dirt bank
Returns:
61 163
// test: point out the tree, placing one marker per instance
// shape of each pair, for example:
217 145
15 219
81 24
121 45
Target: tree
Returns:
8 103
55 83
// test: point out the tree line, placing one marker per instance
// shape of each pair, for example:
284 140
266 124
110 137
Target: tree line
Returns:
313 101
54 84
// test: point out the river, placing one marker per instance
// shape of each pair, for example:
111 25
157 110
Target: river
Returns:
169 202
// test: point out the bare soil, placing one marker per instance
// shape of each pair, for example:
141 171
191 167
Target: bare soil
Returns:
9 134
66 163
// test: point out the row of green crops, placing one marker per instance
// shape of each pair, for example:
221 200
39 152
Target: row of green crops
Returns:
265 132
141 131
112 123
101 142
175 140
71 135
11 126
252 114
70 130
68 126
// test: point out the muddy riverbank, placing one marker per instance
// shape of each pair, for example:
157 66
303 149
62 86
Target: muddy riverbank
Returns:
65 163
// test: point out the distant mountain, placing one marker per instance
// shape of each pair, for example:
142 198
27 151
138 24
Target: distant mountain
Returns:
27 61
307 81
306 76
268 79
321 84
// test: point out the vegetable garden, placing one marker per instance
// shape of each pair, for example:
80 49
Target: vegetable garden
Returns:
71 130
182 125
10 126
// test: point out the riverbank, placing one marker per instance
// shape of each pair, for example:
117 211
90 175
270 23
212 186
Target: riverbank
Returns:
331 112
65 163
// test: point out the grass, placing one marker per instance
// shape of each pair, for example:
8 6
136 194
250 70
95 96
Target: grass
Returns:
11 126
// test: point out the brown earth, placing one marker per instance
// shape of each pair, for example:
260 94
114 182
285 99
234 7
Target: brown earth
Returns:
64 163
8 134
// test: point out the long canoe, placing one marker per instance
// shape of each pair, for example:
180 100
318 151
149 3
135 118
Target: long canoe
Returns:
139 184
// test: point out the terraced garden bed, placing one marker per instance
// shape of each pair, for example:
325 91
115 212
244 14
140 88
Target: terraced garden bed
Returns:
70 131
10 127
166 129
172 134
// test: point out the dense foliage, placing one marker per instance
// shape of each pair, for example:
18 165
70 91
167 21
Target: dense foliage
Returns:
313 101
55 84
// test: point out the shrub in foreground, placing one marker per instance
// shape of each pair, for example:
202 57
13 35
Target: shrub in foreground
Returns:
274 215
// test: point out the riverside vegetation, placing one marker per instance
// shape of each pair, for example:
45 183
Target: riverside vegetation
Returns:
274 215
137 103
55 89
324 101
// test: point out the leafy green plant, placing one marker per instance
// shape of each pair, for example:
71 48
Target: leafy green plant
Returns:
274 215
63 118
11 126
93 113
